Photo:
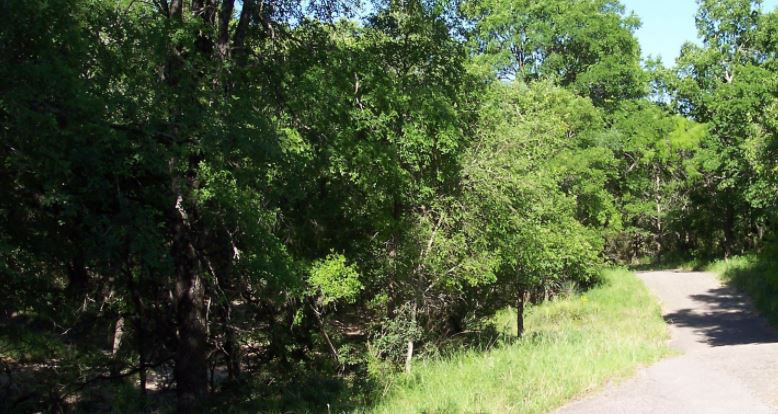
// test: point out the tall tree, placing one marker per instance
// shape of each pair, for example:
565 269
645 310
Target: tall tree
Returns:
587 45
726 83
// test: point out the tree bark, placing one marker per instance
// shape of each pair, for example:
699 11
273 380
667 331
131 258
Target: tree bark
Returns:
142 372
118 333
176 9
409 357
116 344
232 346
191 357
637 246
729 230
520 314
409 352
243 25
323 330
225 16
658 201
191 371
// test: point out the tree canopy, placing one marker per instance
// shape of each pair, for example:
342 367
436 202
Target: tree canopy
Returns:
238 202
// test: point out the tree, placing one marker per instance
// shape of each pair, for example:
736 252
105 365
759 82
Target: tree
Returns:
656 152
145 198
726 84
586 45
519 201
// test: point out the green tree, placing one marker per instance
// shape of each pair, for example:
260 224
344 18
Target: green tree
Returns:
519 202
727 84
587 45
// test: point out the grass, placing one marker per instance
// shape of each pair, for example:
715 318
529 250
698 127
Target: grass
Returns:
756 276
682 262
572 346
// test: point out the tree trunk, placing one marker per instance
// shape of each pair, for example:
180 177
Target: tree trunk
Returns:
142 373
232 346
191 371
729 230
520 313
323 331
658 201
191 355
116 344
637 246
409 357
409 352
118 333
225 17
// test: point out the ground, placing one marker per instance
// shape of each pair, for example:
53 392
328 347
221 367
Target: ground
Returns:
728 358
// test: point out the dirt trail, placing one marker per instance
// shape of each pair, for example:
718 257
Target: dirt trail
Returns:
729 361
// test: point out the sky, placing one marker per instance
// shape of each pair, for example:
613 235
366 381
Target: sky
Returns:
668 24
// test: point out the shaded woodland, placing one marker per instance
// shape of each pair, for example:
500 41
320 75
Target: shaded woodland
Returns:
208 205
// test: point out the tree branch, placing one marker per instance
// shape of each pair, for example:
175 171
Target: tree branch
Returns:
225 16
243 25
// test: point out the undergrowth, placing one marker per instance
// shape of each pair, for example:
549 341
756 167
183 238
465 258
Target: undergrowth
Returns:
573 345
756 275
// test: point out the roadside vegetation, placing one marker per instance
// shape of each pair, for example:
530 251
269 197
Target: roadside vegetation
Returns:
756 275
573 345
273 206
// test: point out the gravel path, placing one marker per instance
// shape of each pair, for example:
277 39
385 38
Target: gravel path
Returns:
729 361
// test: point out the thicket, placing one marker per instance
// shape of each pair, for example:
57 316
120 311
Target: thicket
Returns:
213 196
574 344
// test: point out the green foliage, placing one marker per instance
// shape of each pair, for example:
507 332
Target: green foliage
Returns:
587 45
390 343
534 152
334 280
729 84
756 275
572 345
656 152
287 193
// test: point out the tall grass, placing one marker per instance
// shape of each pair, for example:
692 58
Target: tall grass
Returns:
675 261
572 346
755 275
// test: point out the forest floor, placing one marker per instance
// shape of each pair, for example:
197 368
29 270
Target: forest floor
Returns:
729 358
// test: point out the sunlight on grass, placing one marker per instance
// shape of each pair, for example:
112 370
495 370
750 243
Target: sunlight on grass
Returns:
755 275
572 346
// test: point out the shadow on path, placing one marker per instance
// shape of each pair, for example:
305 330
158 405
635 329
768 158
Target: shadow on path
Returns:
724 317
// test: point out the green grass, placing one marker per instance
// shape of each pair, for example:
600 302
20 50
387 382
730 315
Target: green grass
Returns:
681 262
756 276
572 346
